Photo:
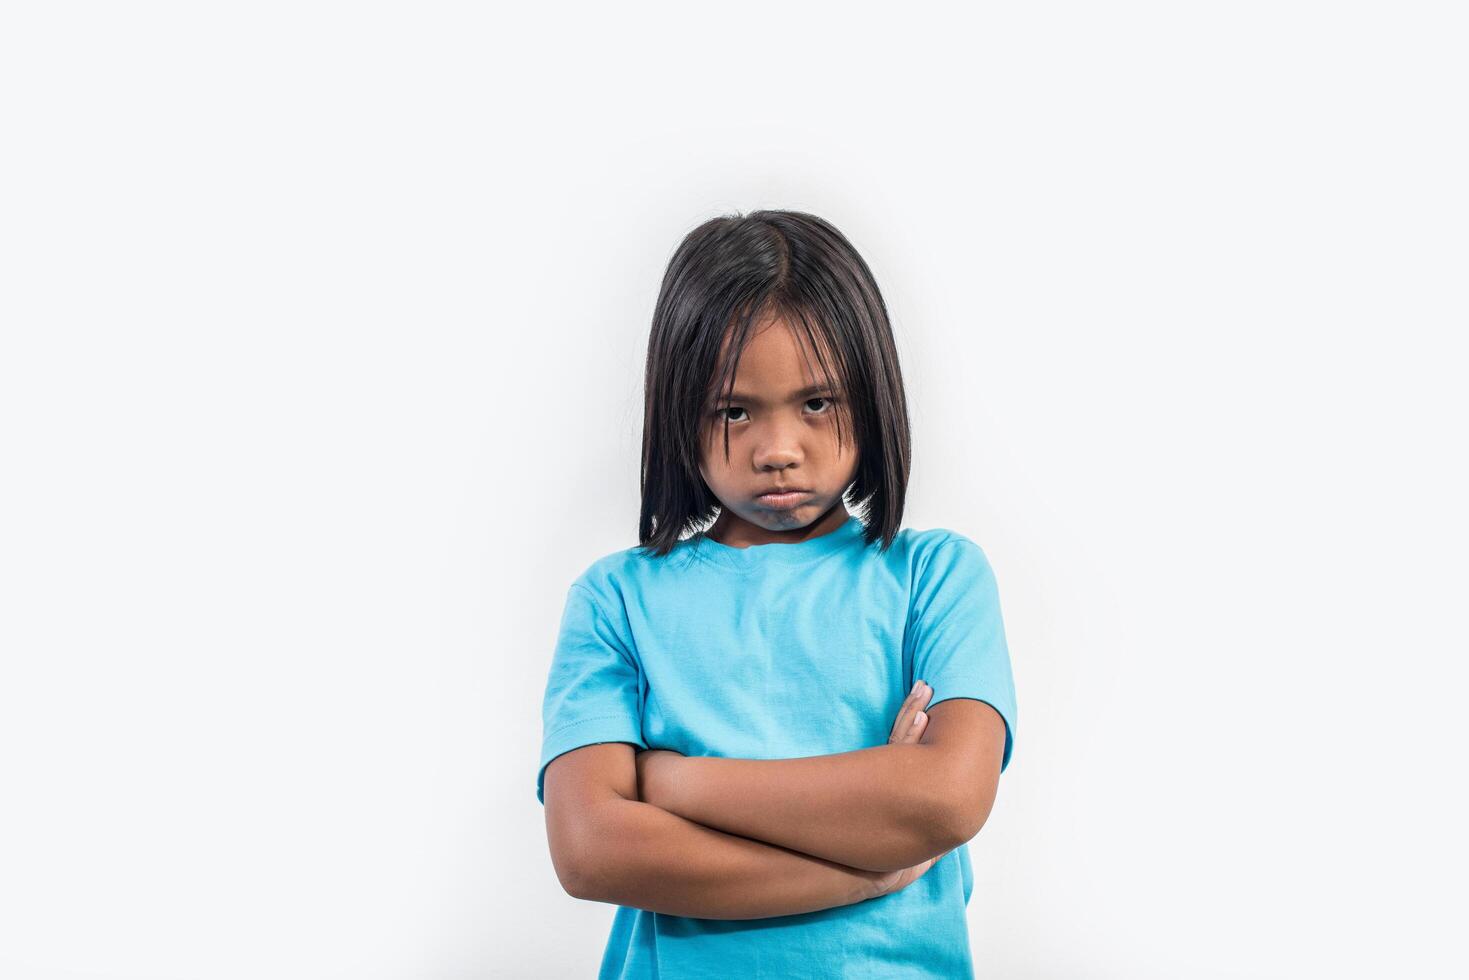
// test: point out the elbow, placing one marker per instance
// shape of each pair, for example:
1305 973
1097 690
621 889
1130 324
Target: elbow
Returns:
571 871
963 816
965 796
576 859
590 845
946 823
963 827
577 874
578 885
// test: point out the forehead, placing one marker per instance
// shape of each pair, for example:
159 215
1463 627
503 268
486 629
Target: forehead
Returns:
777 362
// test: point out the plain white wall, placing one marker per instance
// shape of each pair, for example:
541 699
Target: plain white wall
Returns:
323 330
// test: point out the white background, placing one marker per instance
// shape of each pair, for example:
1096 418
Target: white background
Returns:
323 329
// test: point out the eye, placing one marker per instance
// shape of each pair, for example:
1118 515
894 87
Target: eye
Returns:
825 408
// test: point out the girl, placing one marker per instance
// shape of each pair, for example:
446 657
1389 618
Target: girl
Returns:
717 759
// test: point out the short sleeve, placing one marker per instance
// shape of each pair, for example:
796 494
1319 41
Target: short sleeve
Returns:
592 691
958 635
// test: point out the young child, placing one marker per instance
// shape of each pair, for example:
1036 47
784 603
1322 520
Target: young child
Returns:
735 750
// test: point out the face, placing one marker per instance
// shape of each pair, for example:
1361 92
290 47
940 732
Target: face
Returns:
781 434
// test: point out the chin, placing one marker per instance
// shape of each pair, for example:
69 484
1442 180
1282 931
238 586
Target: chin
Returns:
795 517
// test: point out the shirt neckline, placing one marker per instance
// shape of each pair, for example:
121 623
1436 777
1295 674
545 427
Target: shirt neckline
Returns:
845 535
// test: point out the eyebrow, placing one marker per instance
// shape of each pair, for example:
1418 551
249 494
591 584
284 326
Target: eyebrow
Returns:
804 393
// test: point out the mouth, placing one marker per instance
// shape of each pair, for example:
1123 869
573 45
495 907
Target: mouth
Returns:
783 498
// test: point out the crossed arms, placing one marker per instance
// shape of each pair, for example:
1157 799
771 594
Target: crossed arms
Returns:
744 838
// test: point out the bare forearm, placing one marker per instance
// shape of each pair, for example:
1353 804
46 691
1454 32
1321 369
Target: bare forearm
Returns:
874 808
650 859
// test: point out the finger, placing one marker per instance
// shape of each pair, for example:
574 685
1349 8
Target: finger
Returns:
916 700
910 707
904 719
912 727
916 728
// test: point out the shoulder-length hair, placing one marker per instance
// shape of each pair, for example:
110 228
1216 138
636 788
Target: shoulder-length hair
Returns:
725 274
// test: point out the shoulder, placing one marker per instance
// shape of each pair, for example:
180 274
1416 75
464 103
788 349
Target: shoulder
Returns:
611 577
924 549
943 561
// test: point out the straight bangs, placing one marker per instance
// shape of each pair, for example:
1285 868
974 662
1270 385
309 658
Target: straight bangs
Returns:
815 339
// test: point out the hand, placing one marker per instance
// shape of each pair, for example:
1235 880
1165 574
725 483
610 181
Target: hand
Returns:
894 881
656 779
912 719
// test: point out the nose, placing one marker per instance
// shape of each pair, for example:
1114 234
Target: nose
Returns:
779 447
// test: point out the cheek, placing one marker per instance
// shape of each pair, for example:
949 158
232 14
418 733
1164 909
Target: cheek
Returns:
711 448
711 464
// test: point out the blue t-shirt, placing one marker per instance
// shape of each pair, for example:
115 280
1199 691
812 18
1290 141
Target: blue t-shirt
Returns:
779 651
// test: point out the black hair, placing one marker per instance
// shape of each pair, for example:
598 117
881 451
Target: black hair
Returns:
725 274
